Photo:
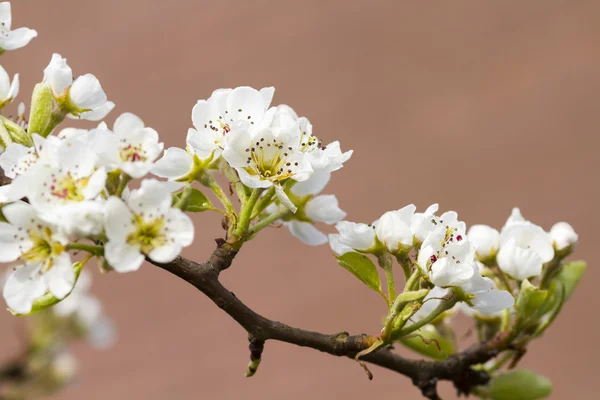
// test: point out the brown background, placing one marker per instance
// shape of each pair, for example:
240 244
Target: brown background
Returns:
479 106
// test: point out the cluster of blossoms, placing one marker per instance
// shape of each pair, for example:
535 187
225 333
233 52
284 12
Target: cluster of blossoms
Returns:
72 196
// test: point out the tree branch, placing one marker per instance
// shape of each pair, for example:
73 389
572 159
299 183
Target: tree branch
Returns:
424 373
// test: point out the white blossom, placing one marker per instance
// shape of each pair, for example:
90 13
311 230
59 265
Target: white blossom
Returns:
12 39
41 246
393 229
524 248
486 240
423 223
352 236
84 94
8 90
487 300
145 225
214 118
265 160
132 148
563 235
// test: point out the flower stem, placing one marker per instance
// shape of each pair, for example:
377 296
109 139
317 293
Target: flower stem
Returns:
263 202
92 249
444 306
234 179
269 220
122 184
246 213
386 262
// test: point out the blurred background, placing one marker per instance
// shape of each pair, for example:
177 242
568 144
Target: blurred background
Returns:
480 106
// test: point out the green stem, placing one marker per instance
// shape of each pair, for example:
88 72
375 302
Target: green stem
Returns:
234 179
269 220
404 261
550 272
386 262
413 280
246 213
184 200
210 182
263 202
122 184
444 306
92 249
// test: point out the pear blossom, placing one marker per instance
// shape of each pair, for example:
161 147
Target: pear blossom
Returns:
84 96
446 254
18 163
487 300
265 160
72 177
214 118
132 148
42 247
352 236
12 39
146 225
393 229
563 235
8 90
175 164
524 248
486 240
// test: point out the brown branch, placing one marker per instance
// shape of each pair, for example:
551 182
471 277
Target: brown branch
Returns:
424 373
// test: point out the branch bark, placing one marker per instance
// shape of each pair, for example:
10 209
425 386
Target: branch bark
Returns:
424 373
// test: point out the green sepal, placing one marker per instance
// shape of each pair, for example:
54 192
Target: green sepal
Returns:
570 275
112 181
361 267
426 342
40 115
530 300
48 300
192 200
519 385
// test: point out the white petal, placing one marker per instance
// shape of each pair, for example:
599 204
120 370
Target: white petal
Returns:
166 253
176 163
357 236
22 287
97 113
253 181
180 227
267 94
122 256
58 74
95 184
10 241
445 272
151 200
493 301
20 214
9 160
284 199
118 220
18 38
61 277
14 87
337 246
307 233
6 14
204 143
237 142
4 84
205 115
485 238
325 208
245 103
563 235
313 185
127 123
86 92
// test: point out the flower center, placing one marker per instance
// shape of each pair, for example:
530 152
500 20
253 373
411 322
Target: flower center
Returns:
148 235
44 249
132 153
68 188
308 144
269 160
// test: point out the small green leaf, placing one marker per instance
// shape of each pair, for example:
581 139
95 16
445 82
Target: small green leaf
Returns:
530 299
361 267
520 385
570 274
196 201
429 342
48 300
40 115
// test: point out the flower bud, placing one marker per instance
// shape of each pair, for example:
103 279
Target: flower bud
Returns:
486 240
563 235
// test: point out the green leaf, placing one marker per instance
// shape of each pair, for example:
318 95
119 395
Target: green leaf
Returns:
428 342
194 200
570 274
520 385
361 267
48 300
530 299
40 115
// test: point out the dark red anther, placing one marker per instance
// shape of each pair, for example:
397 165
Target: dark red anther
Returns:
433 258
459 238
